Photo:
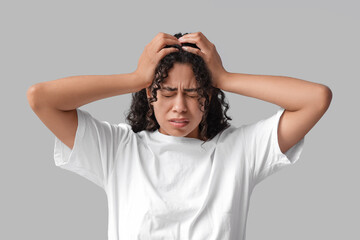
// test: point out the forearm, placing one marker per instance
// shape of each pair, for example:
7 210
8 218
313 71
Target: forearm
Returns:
290 93
72 92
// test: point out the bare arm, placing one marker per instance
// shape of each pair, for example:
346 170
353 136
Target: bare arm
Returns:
55 102
288 92
304 102
72 92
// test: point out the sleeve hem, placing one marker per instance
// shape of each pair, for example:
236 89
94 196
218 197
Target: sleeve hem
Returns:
292 155
282 159
64 156
62 153
84 173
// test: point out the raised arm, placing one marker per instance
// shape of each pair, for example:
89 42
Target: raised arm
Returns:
69 93
304 102
55 102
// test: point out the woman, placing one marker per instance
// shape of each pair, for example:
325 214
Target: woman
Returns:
179 170
186 70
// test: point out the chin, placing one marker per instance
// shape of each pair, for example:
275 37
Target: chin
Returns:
175 132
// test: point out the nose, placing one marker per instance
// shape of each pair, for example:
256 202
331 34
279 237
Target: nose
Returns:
180 103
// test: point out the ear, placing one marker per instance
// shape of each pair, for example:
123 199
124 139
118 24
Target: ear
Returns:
148 95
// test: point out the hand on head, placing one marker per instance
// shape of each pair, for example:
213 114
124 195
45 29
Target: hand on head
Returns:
163 44
208 52
152 54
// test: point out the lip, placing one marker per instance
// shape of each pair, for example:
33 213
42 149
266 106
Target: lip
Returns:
179 120
179 125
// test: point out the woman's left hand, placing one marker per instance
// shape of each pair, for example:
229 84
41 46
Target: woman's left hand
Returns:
208 53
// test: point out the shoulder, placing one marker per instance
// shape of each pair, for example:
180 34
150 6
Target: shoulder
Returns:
104 129
126 127
247 130
230 134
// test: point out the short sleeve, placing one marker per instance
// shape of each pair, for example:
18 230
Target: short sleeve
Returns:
263 150
95 148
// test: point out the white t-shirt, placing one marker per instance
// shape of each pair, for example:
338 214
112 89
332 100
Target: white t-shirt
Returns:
166 187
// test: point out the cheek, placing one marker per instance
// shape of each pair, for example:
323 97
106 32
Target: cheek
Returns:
198 110
160 107
201 105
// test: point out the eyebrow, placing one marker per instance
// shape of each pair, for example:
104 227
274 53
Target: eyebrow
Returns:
175 89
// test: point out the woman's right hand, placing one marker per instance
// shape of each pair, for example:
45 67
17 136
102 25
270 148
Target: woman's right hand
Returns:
152 54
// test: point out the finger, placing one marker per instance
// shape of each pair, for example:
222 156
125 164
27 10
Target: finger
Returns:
166 42
193 50
171 37
204 48
196 38
165 51
164 36
196 35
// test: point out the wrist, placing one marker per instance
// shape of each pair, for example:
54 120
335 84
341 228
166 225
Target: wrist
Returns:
221 79
136 76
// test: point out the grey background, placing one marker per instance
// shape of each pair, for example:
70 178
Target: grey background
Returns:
318 41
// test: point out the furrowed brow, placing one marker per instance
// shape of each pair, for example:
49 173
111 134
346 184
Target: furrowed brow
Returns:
175 89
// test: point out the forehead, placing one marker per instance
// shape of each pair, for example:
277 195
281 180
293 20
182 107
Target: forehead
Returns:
180 75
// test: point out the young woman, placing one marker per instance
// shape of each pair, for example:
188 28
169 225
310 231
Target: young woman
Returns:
178 170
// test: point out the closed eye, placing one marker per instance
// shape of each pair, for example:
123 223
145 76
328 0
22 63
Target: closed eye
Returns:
173 95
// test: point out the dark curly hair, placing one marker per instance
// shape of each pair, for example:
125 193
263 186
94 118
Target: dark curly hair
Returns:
141 114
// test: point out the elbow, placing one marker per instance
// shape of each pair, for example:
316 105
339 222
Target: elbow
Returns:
325 95
32 95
